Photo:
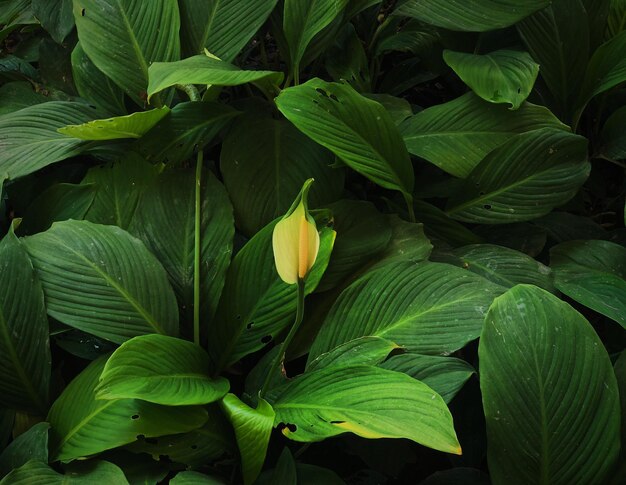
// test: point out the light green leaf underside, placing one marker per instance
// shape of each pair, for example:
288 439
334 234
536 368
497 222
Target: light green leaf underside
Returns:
103 281
201 69
502 76
129 126
367 401
24 343
358 130
546 380
594 274
475 16
175 374
429 308
29 139
83 426
523 179
458 134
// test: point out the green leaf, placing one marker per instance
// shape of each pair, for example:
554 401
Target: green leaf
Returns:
202 69
457 476
58 203
188 127
7 418
429 308
195 478
138 34
620 374
502 266
29 139
444 375
83 425
458 134
17 95
134 125
303 20
592 273
253 428
502 76
360 351
285 471
31 445
523 179
172 198
84 473
224 28
160 369
362 233
558 39
521 236
24 343
563 226
95 279
55 16
613 136
265 174
346 60
367 401
194 448
93 85
256 304
475 16
549 393
119 188
356 129
606 69
616 21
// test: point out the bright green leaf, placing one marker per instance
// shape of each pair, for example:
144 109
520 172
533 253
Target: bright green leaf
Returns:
95 279
367 401
360 351
134 125
160 369
549 392
502 76
592 273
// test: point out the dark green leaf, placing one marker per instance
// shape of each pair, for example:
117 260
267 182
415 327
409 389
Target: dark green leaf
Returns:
17 95
55 16
614 136
31 445
549 393
95 278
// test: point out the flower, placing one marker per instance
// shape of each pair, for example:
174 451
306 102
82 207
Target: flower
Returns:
295 240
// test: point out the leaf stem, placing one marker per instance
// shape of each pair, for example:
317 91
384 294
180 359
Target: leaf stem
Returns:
409 205
280 357
190 90
196 260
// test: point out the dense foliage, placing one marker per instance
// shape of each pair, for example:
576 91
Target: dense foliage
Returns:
464 320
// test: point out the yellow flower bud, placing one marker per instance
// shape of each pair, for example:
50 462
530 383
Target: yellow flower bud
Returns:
295 240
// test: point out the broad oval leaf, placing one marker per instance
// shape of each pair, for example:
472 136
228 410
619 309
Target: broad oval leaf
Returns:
103 281
25 360
202 69
30 445
503 76
160 369
614 136
523 179
223 28
83 473
189 126
360 351
367 401
475 16
253 428
55 16
458 134
429 308
549 393
29 139
83 425
356 129
172 198
265 162
594 274
123 37
134 125
502 266
303 20
444 375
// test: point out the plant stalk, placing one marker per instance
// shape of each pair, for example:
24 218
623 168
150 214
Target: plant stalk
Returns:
280 357
196 259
